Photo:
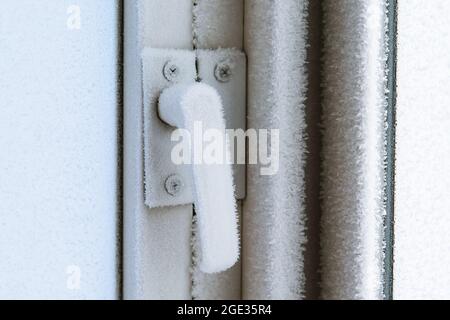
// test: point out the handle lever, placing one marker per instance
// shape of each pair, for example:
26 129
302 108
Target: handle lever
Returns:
184 107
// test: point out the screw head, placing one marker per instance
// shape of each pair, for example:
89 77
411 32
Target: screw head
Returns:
174 185
171 71
223 71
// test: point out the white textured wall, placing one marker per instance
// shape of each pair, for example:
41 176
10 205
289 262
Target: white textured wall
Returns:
422 205
58 149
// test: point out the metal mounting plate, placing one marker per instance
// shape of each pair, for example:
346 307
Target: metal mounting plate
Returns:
161 69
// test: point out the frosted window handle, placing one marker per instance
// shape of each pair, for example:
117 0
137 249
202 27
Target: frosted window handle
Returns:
186 107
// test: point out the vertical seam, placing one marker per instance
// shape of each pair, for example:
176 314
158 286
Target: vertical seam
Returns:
390 145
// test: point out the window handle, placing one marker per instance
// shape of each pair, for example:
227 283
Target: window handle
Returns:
189 107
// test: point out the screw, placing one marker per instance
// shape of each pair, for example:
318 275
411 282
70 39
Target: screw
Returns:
171 71
174 185
223 71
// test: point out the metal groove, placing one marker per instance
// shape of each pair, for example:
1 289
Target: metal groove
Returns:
390 140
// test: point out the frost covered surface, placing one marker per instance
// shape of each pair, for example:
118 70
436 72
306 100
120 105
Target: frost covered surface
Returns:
58 142
218 23
274 217
353 149
422 199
